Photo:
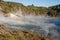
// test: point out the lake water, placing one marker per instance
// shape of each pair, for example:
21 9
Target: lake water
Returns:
42 25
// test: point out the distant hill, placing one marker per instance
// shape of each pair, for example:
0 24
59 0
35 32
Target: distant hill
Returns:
52 11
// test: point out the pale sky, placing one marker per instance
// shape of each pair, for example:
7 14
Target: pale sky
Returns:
45 3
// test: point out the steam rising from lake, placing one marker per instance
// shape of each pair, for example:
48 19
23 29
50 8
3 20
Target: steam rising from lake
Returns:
42 25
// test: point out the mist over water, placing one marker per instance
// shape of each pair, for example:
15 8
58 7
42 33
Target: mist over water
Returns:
42 25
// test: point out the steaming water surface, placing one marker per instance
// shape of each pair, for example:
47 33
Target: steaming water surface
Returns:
42 25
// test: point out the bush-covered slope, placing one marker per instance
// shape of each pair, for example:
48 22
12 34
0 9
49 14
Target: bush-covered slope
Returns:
10 6
53 11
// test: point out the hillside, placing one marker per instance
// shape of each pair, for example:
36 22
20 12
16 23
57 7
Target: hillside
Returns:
7 7
54 10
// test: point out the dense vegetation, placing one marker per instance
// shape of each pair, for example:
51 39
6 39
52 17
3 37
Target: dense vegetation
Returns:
54 10
10 6
7 7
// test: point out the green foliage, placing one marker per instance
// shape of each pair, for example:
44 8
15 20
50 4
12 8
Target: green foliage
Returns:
10 6
54 10
31 9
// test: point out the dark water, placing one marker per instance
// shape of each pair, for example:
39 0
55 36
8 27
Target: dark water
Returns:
54 21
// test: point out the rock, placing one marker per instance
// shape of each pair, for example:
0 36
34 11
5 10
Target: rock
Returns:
15 34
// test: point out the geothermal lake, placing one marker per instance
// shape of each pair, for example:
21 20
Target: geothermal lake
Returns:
42 25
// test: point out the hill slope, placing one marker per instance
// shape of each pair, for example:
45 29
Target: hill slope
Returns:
7 7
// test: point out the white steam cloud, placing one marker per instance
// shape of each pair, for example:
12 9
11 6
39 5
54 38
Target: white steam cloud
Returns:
41 25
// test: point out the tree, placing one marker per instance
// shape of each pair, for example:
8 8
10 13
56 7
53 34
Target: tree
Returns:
32 5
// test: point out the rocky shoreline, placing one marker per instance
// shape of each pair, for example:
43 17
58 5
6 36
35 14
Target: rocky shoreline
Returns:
15 34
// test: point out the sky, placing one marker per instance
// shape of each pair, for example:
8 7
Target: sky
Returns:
45 3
